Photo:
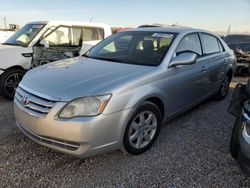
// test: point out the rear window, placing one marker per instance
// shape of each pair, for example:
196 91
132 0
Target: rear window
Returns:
93 33
210 44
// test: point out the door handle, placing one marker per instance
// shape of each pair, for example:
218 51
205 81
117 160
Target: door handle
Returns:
203 69
225 60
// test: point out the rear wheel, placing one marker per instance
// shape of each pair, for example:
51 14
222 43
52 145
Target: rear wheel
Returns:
9 82
142 129
222 93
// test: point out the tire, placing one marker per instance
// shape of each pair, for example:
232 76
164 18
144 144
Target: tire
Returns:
142 129
9 81
235 142
222 93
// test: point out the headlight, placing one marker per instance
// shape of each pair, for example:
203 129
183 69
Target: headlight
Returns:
86 106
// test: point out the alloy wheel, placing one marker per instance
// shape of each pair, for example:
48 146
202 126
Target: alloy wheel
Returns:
142 129
11 83
225 86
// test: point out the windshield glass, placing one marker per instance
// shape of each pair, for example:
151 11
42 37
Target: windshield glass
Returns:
24 35
133 47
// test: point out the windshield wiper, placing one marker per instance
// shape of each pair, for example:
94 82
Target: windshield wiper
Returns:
105 58
11 44
6 43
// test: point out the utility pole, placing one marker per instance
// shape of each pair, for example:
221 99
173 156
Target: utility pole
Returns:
4 18
91 19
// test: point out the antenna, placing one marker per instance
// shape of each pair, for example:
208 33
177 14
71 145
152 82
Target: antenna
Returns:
229 28
4 18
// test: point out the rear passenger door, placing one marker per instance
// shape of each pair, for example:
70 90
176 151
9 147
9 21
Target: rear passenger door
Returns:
216 61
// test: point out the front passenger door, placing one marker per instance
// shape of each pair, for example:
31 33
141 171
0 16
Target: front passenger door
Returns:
187 83
62 42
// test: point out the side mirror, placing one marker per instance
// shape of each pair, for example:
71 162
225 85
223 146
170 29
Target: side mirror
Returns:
44 43
187 58
27 54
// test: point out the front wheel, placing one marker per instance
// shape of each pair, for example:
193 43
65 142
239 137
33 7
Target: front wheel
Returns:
143 128
9 82
235 143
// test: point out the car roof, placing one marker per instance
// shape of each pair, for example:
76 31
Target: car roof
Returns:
170 29
38 22
70 23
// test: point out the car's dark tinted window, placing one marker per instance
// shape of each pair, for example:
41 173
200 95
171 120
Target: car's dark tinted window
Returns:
210 44
236 39
190 43
240 46
238 42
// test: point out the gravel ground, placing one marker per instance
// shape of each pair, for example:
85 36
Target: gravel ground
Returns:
191 151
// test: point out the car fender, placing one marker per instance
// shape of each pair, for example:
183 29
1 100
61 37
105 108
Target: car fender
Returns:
133 98
11 56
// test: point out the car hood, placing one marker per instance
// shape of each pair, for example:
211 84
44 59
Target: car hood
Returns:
77 77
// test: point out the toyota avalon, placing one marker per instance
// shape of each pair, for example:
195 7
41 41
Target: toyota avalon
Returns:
122 90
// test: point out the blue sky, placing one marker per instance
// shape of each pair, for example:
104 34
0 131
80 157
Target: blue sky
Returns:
215 15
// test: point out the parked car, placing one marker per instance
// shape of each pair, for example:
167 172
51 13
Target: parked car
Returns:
240 139
50 41
240 43
122 90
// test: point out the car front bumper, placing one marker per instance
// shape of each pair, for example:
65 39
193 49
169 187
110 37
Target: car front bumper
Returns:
244 155
80 137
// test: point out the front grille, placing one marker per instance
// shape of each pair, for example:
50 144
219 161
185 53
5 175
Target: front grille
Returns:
51 141
32 103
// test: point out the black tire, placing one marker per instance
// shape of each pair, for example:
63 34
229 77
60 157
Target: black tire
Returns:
9 81
146 107
222 93
235 142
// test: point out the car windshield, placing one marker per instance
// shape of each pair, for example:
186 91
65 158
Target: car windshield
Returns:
24 35
133 47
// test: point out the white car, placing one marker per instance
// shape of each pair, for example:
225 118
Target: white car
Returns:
4 35
42 42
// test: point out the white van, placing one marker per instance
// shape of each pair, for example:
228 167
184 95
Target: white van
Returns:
50 41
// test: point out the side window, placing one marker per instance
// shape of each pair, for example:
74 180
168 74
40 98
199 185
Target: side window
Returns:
93 33
210 44
190 43
220 46
64 36
60 36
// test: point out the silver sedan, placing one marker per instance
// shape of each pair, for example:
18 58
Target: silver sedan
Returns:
121 91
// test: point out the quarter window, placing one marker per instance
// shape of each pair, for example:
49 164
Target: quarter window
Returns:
190 43
210 44
220 46
93 33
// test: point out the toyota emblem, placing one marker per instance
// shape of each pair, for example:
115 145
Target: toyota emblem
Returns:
25 100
